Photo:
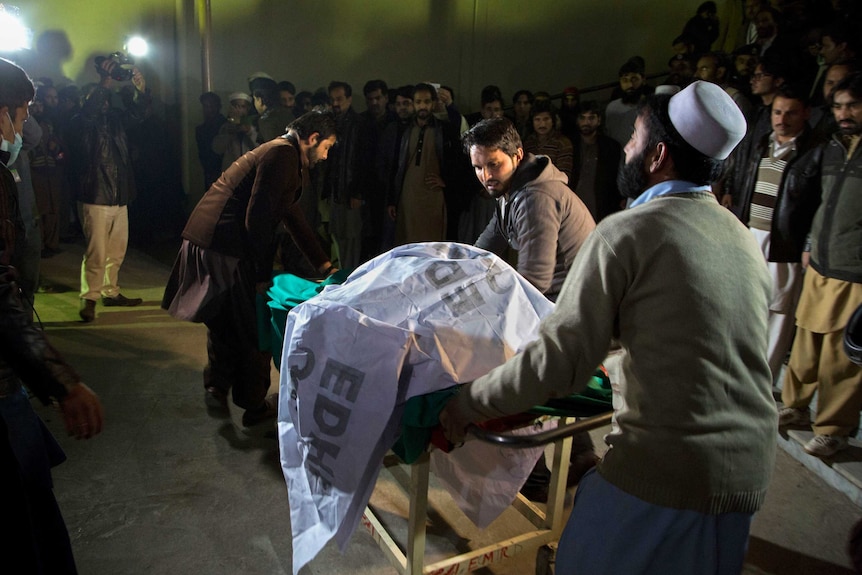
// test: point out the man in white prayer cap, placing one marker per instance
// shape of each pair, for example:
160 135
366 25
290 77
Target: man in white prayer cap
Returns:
691 449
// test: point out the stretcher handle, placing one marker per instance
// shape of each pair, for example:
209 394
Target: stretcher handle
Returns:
543 437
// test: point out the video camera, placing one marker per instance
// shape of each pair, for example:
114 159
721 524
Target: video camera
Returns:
122 72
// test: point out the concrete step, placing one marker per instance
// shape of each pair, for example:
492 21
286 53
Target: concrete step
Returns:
842 471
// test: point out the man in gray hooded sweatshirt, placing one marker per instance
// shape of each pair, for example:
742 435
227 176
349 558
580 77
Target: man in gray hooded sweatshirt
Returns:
537 214
542 219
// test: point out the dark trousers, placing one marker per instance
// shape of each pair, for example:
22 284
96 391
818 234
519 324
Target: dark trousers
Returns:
235 361
33 535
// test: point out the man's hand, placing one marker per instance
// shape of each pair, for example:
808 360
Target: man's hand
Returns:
355 203
806 260
105 69
444 96
392 212
435 181
262 287
327 269
139 81
82 412
727 201
454 423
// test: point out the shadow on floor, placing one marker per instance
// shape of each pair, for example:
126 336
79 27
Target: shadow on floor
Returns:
772 558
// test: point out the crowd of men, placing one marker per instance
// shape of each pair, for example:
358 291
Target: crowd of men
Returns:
399 172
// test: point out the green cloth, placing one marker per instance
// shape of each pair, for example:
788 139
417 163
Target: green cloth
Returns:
287 292
595 399
422 413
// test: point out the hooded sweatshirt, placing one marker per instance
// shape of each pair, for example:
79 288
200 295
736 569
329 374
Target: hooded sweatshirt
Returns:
543 220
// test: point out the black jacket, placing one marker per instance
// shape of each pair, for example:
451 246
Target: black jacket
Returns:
798 195
608 196
350 160
453 164
25 354
101 167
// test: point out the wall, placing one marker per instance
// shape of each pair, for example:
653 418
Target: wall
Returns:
538 44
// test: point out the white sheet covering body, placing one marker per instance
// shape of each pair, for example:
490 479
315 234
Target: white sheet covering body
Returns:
417 319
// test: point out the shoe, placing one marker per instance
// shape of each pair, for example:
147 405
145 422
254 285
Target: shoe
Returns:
215 398
793 416
120 300
535 488
825 445
88 310
266 410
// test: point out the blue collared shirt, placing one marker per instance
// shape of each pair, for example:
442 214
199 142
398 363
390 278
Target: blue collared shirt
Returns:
668 188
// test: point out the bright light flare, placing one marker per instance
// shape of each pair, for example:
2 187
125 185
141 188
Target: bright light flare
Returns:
14 35
137 46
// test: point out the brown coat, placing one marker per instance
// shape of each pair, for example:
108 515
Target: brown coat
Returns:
240 213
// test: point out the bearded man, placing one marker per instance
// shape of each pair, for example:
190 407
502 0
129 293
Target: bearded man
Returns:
227 257
693 441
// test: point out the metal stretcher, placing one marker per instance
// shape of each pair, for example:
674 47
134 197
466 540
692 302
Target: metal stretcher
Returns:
578 413
547 525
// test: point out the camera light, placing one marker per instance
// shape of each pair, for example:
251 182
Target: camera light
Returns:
14 35
137 46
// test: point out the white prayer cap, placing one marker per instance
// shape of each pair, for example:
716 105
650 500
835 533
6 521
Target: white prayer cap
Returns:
239 96
667 89
707 118
257 75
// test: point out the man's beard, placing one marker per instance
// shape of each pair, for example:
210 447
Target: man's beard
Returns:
314 155
631 179
852 128
632 96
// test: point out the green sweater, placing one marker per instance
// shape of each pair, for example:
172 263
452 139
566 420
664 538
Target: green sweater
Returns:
682 285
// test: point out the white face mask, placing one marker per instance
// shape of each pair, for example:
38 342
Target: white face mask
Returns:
14 148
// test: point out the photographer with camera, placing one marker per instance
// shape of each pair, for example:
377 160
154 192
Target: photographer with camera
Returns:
103 181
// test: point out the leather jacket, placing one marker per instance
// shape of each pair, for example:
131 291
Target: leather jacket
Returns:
798 195
25 354
101 166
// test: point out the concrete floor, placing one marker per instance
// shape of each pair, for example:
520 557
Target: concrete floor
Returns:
167 489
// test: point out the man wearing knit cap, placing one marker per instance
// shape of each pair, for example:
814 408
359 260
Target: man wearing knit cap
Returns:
692 444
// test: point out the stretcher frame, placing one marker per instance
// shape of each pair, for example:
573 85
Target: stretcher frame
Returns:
548 524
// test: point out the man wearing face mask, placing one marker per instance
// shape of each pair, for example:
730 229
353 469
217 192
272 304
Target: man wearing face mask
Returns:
35 537
29 252
103 182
